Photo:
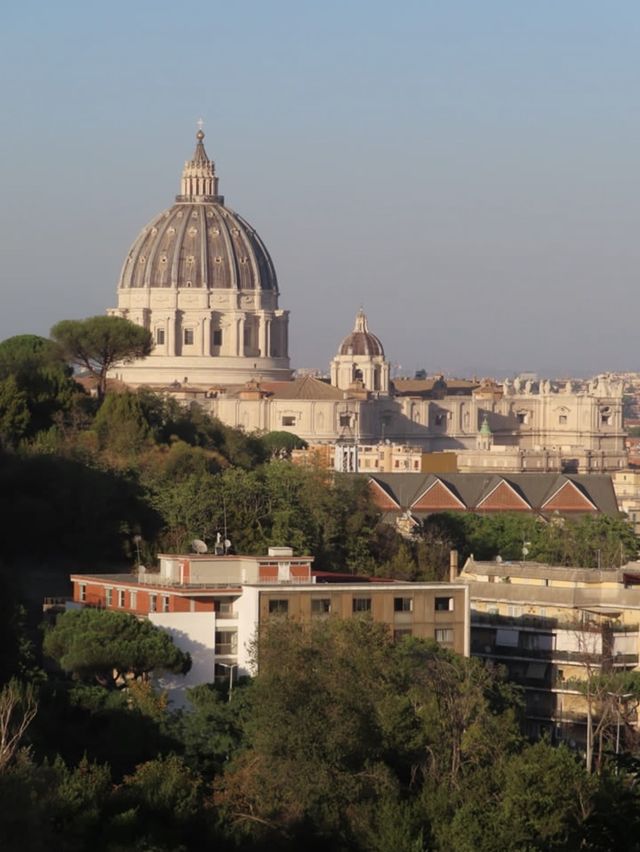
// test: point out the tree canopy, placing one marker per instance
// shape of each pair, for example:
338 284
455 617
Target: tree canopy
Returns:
112 647
97 343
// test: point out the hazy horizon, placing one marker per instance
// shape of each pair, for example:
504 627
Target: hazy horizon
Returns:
466 172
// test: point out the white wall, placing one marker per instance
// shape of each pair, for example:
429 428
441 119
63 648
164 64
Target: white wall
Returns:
192 632
247 609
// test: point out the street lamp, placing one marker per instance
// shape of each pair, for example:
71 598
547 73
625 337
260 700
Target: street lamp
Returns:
231 667
620 697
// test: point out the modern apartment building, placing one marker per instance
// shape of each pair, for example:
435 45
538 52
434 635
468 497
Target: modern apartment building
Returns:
213 605
552 627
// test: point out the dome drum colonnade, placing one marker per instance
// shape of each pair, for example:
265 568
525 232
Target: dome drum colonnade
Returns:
201 280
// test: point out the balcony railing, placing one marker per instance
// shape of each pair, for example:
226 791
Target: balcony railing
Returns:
549 655
517 622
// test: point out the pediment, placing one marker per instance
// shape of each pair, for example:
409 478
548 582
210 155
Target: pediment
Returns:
503 497
382 499
569 498
438 497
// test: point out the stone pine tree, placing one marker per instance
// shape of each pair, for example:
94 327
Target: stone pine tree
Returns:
98 343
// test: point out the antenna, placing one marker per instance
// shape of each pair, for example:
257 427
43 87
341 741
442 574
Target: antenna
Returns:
198 546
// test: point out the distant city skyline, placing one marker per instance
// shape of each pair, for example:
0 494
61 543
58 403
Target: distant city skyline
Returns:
468 173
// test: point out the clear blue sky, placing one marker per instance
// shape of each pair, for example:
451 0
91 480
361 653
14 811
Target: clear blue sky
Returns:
467 171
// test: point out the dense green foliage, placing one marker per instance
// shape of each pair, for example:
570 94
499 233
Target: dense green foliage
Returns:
588 541
343 741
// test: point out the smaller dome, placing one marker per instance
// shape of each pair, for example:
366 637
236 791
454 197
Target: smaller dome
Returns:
361 341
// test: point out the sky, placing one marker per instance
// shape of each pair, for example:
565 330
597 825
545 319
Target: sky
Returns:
466 171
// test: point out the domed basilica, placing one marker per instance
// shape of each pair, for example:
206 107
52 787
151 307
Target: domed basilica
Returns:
199 277
201 280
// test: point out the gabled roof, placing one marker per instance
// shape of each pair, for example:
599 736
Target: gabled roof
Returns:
383 497
438 496
533 492
504 497
306 387
569 497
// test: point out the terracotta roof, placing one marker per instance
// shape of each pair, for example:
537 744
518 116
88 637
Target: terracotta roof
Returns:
306 387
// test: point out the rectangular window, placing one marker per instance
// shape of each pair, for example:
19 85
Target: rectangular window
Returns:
121 598
288 420
523 417
562 419
278 607
160 336
223 607
345 420
444 604
133 600
188 337
108 597
361 605
441 420
226 642
398 635
217 337
403 604
165 603
153 603
444 635
83 592
320 606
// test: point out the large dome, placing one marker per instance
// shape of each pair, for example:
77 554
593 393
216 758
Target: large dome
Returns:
199 242
201 280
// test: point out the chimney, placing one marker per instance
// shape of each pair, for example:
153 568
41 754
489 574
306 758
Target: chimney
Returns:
453 566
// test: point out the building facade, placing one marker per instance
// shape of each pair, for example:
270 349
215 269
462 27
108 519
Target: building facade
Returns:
214 605
553 627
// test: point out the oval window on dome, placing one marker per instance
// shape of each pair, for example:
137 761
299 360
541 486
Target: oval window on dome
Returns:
215 232
171 231
191 260
218 260
154 231
142 259
163 259
194 215
179 214
244 260
193 232
235 232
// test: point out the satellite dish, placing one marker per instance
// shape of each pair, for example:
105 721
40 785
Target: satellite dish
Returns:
198 546
498 558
